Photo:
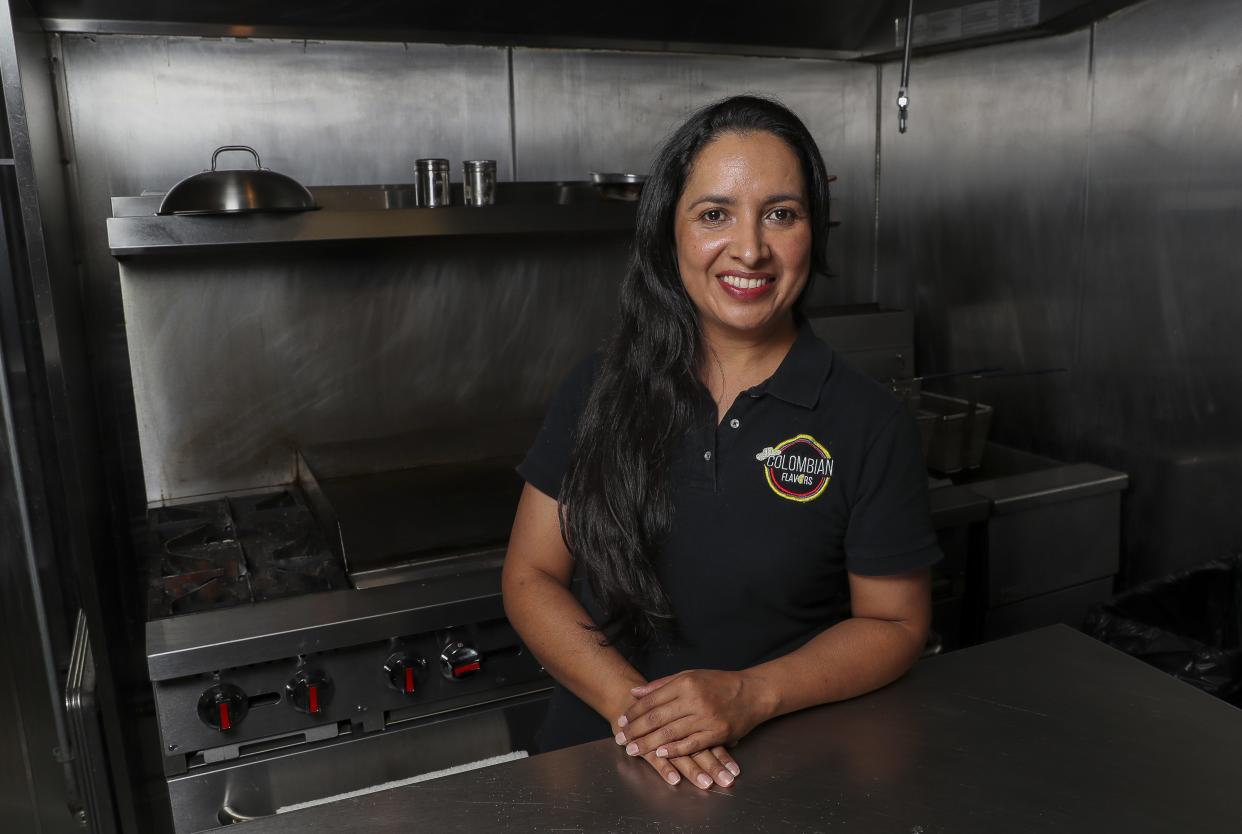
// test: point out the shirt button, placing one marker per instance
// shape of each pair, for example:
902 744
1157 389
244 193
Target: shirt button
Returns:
734 423
707 456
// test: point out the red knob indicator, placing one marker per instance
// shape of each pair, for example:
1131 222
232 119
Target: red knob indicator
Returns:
459 660
404 671
222 706
309 691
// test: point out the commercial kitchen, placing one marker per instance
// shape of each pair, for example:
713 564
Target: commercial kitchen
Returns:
288 289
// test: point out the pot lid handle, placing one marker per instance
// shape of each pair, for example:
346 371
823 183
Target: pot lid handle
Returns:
246 148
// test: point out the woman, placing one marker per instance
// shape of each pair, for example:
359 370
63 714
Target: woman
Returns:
749 512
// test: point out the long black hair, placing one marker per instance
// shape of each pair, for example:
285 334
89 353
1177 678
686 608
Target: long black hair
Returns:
616 502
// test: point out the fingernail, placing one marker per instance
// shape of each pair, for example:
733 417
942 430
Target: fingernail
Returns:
620 738
622 721
673 778
726 778
704 780
734 769
632 748
662 752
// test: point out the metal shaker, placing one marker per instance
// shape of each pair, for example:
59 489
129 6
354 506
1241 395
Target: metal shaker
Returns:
431 183
479 181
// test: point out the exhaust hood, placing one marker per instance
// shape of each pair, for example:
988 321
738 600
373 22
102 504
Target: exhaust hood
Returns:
857 29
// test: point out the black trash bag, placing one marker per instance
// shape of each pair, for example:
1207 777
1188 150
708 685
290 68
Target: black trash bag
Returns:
1188 624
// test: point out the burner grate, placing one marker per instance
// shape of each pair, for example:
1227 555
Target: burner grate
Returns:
198 563
215 554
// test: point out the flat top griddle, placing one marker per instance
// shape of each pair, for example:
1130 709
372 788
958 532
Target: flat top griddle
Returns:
418 522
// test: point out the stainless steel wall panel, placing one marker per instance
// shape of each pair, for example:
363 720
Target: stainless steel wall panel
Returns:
577 111
1161 375
981 214
237 361
142 112
1073 202
148 111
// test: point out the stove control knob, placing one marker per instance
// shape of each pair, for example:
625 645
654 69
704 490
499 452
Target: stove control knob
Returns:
309 691
223 706
404 671
459 660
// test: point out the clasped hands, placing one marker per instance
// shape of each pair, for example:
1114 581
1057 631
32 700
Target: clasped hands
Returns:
680 724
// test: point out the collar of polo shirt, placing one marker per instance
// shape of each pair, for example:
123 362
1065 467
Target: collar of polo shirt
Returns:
800 377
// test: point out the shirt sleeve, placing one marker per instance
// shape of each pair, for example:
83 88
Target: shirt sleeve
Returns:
890 529
548 458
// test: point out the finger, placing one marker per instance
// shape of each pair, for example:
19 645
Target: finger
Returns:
726 759
662 736
714 768
692 743
644 705
651 686
654 721
668 772
691 770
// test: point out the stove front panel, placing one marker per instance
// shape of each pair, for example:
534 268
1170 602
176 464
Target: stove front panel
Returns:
237 712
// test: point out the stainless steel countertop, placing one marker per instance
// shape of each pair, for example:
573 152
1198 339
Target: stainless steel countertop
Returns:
1045 731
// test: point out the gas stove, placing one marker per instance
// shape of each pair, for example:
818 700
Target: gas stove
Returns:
333 634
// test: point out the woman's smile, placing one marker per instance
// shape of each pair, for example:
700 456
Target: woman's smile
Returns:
746 285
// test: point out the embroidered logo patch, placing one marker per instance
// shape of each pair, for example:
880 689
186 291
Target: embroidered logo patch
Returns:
798 469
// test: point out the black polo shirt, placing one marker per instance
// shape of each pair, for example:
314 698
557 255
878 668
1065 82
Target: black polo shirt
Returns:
815 472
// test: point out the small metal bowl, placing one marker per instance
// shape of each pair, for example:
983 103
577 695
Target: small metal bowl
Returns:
618 186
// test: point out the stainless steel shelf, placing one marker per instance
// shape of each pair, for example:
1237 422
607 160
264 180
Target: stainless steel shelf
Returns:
367 213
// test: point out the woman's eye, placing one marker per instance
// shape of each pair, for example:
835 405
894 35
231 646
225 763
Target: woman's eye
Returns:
713 215
783 215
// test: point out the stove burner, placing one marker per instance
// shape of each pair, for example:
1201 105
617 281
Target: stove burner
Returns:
215 554
198 548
